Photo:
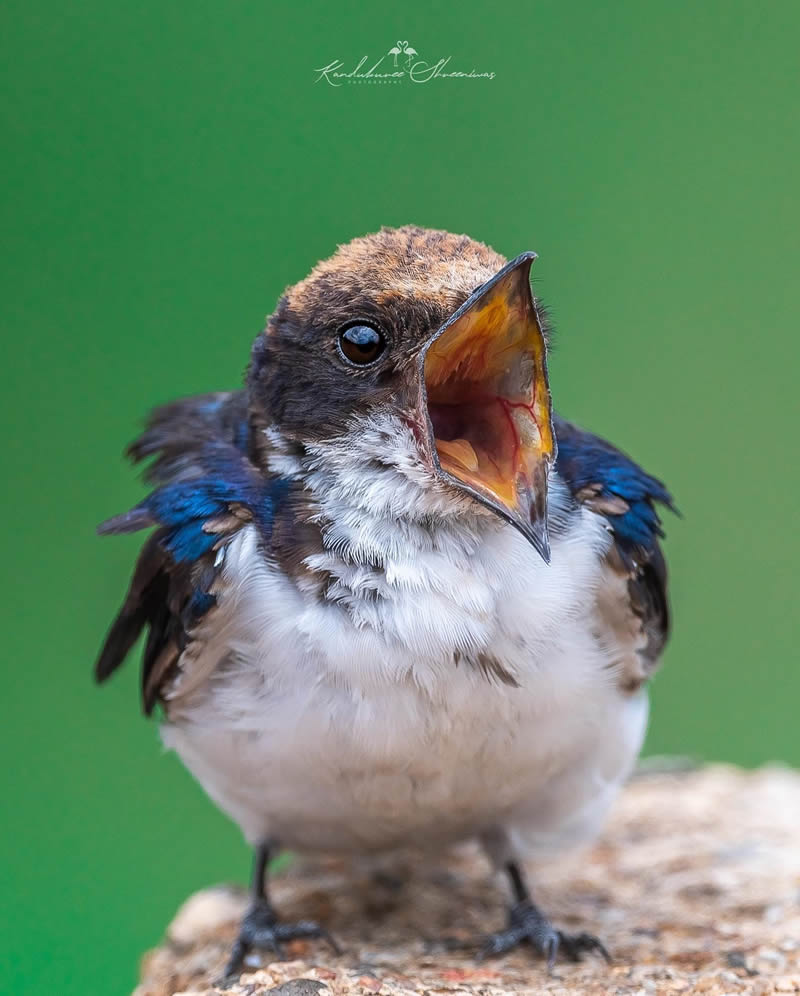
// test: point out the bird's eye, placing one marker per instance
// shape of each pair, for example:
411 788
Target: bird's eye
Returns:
361 344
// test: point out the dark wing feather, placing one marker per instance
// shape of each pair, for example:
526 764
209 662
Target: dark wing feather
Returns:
207 488
144 596
177 433
608 482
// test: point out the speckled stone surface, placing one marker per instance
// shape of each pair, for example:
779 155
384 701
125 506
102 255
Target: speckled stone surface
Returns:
694 887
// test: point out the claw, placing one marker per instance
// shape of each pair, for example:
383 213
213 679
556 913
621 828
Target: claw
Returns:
261 929
551 951
574 945
527 924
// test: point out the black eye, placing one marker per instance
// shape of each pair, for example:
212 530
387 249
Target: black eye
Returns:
361 344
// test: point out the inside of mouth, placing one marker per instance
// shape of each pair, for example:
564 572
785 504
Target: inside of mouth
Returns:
476 432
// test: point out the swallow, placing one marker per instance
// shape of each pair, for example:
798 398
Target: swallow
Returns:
389 596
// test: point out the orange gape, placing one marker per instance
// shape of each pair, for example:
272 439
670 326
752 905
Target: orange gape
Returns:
488 395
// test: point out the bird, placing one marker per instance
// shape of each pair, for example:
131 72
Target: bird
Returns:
389 596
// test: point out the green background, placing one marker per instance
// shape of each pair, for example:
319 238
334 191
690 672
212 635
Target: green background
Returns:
169 168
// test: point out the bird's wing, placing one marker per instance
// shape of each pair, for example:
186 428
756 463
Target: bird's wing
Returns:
632 604
205 489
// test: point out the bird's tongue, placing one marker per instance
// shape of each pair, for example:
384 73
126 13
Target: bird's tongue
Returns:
459 453
488 401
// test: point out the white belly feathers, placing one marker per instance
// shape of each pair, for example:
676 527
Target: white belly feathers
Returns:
364 721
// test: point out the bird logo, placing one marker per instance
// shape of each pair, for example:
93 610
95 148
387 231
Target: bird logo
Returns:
403 48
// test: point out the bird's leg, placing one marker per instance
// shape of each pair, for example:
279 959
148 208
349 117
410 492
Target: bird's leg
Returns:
527 923
261 928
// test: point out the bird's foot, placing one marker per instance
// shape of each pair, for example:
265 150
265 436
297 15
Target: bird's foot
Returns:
261 929
528 924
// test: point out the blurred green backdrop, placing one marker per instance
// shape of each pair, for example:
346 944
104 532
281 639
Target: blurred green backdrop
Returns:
169 168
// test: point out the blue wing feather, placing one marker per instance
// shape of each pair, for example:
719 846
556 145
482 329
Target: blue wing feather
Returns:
206 488
590 465
611 484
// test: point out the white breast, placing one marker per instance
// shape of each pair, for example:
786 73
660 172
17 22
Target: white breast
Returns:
361 719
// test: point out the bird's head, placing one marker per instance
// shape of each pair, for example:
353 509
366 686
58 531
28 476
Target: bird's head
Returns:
438 341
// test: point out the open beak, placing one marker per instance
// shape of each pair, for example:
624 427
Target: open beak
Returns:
487 401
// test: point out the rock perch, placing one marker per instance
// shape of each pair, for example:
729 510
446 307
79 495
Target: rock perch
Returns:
694 886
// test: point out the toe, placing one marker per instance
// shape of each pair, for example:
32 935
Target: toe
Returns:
268 939
549 949
527 924
575 946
